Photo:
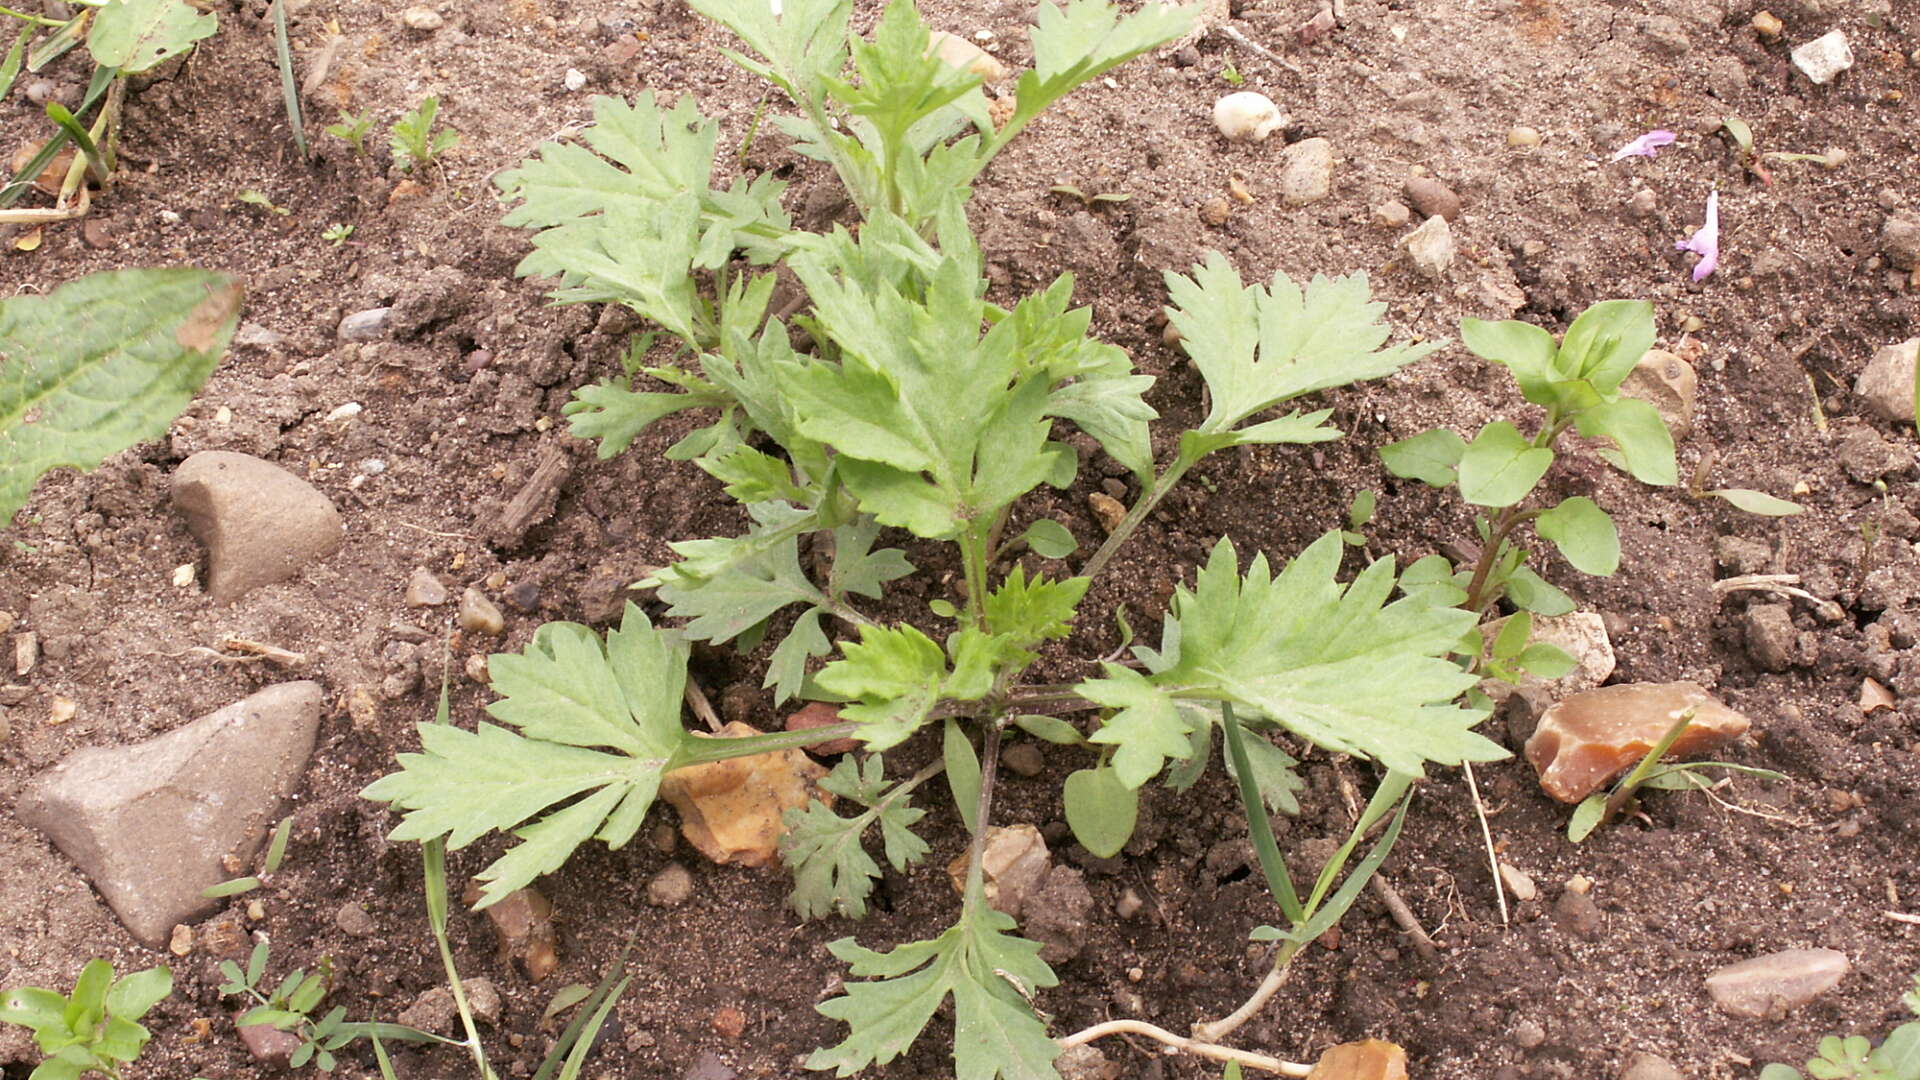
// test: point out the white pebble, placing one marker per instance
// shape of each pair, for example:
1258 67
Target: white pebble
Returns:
1824 57
1247 116
576 80
373 466
345 412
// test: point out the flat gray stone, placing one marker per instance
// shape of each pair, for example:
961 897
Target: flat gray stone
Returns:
259 522
1770 986
1887 383
1824 57
368 325
1306 172
151 823
1430 247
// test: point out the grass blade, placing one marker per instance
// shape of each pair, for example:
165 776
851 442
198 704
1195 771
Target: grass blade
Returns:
592 1014
10 68
1258 827
22 181
289 92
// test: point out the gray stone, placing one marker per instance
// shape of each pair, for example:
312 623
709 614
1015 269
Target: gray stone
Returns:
1430 247
1056 917
353 920
424 589
1867 457
1887 382
1392 214
151 824
368 325
1306 172
1085 1062
1644 1066
1667 35
1824 57
1527 1033
253 335
1742 556
421 17
670 887
1577 914
1900 239
708 1066
259 522
484 999
1770 636
1767 987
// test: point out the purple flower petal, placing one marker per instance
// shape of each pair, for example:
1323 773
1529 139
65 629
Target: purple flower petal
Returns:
1646 145
1706 242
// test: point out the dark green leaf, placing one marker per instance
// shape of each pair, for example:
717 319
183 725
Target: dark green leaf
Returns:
1500 467
1049 539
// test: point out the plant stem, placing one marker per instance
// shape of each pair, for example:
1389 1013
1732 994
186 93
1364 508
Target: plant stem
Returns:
977 849
1150 499
1191 1046
1276 978
708 750
37 20
973 553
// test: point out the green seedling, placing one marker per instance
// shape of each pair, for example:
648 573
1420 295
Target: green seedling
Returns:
352 130
289 88
95 1028
276 853
1231 75
289 1006
102 363
1597 809
921 407
415 144
1855 1057
1090 201
259 199
1754 161
1577 382
337 233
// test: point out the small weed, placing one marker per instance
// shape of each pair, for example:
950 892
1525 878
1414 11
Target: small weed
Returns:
337 233
1231 75
259 198
1855 1057
415 144
93 1029
352 130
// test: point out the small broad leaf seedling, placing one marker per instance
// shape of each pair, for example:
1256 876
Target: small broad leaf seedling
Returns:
289 1006
352 130
93 1029
1855 1057
1599 808
415 143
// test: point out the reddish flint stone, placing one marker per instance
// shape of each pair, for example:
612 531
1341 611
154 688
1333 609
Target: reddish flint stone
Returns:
1589 738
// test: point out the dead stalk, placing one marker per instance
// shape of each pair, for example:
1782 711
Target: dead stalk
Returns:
1184 1045
1486 834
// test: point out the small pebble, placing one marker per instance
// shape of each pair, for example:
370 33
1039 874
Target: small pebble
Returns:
1523 136
1644 203
1768 25
1023 759
575 80
424 589
1107 509
1216 211
730 1022
1644 1066
1247 117
421 17
1392 214
1129 904
670 887
1431 198
353 920
1518 882
368 325
479 614
1823 58
1430 247
181 941
477 669
1306 172
1528 1034
256 911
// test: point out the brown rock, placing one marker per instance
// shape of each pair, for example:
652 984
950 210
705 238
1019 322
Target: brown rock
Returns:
960 53
479 614
1669 384
1216 211
523 921
730 1022
821 714
259 522
1368 1059
731 810
1589 738
1431 198
267 1044
1108 510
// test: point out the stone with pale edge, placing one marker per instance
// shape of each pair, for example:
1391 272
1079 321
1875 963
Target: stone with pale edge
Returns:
151 823
259 522
1887 382
1368 1059
1589 738
732 810
1768 986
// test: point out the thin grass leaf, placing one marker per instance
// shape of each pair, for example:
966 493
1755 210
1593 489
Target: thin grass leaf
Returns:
289 90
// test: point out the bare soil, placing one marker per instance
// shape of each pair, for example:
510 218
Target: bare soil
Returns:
460 405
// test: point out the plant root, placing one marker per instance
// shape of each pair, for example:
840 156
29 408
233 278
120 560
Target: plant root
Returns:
1246 1058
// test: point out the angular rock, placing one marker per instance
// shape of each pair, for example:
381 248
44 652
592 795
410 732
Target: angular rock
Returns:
1015 866
1771 636
1900 238
1306 172
1589 738
1577 914
1430 247
1669 384
151 824
267 1044
820 714
259 522
480 615
429 301
1392 214
523 921
708 1066
731 810
1768 987
433 1011
1887 382
424 589
1368 1059
368 325
1057 915
964 55
1867 457
1824 57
